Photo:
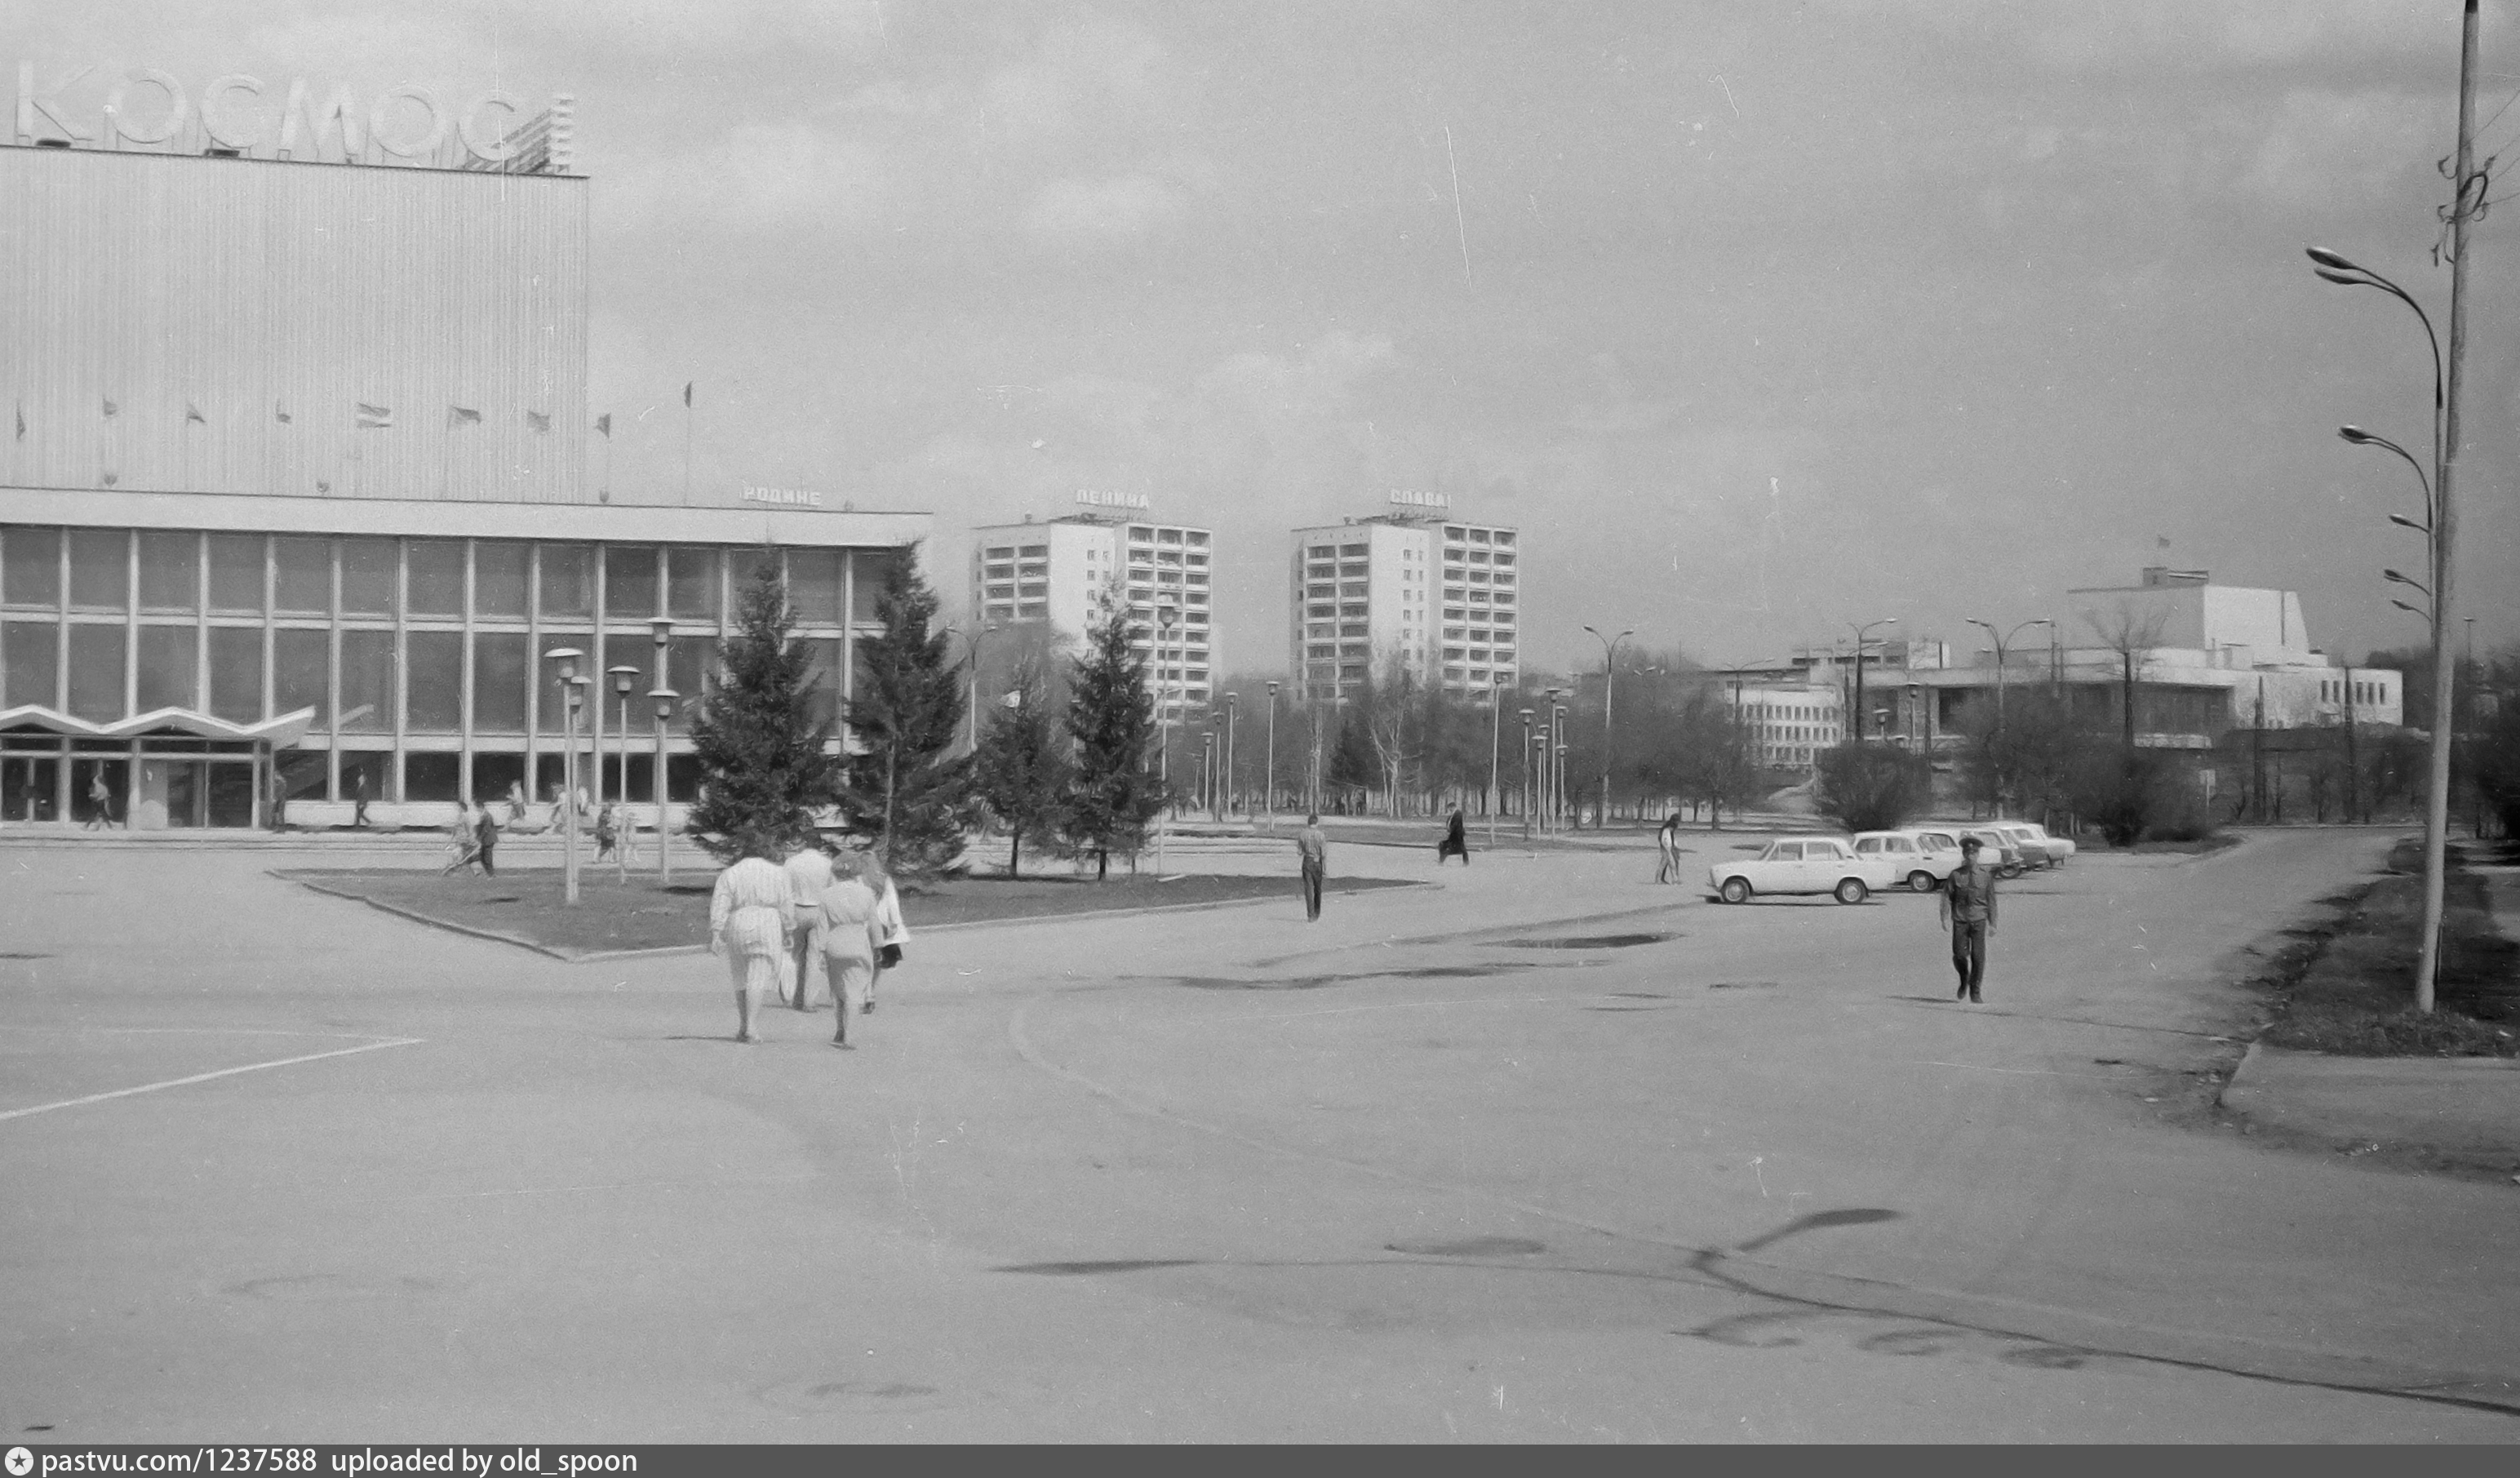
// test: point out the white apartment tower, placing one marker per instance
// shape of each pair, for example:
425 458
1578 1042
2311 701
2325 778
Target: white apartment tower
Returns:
1439 597
1059 570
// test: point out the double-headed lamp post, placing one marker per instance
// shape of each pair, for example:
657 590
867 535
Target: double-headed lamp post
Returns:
1859 725
1609 653
1273 757
2002 645
665 698
1556 759
1165 615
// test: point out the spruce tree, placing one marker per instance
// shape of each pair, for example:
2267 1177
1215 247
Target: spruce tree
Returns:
903 786
1020 770
1110 720
761 754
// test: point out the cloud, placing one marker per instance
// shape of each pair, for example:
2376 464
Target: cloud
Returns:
2326 146
1104 212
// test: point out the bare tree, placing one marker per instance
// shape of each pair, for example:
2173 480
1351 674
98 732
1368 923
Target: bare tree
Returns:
2132 631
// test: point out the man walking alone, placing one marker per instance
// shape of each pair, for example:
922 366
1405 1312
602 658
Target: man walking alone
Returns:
1966 905
1314 849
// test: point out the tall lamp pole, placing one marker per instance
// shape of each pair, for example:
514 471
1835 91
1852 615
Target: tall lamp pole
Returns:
1528 797
624 678
2002 642
1556 759
1860 724
1272 798
665 698
1230 703
564 661
975 705
660 631
1496 752
1609 651
1165 615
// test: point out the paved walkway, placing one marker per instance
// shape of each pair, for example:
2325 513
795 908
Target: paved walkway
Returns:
1547 1154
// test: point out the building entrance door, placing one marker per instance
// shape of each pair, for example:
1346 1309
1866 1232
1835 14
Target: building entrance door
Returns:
209 792
29 787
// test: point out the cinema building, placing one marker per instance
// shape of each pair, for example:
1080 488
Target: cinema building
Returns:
293 496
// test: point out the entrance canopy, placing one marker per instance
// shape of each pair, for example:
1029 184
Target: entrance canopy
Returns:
279 732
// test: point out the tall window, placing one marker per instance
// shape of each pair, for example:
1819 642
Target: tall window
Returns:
100 569
33 573
437 578
629 582
170 572
236 574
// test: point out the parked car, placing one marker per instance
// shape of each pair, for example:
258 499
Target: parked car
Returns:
1996 850
1801 865
2060 848
1921 859
2034 849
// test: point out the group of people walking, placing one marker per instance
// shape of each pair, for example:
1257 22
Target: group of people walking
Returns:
821 916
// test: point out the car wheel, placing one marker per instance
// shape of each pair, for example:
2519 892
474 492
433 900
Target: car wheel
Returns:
1850 890
1920 882
1736 890
2009 870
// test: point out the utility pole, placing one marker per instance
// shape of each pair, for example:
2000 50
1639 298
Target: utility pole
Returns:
2446 519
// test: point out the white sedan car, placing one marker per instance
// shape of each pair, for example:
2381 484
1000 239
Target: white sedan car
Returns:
1802 865
2060 848
1920 857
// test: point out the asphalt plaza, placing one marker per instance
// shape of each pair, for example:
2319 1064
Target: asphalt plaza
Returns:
1548 1154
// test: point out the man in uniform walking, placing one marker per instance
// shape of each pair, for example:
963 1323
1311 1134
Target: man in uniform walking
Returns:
1314 849
1968 909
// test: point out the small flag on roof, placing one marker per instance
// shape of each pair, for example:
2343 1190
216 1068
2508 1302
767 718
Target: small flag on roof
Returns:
374 418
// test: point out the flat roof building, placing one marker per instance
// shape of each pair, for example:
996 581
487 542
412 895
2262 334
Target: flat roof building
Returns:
294 494
1060 570
1433 598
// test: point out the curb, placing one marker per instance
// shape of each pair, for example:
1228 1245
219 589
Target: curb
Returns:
450 925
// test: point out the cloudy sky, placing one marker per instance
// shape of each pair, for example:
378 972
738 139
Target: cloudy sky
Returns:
1759 319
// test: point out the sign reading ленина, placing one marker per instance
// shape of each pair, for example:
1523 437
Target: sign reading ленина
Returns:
148 107
1404 498
1092 498
783 497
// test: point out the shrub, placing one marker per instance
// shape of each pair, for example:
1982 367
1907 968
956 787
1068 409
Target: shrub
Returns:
1872 788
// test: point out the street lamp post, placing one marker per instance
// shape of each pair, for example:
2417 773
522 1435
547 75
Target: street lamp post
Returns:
665 698
1271 777
1556 758
623 680
1528 798
1211 753
1165 615
1231 700
564 661
2000 643
976 638
2449 371
1859 725
1496 752
1609 651
660 632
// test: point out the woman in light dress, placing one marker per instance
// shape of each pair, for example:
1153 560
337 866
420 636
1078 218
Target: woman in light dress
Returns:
892 932
751 915
851 935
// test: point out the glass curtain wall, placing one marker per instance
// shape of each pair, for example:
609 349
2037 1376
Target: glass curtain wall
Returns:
422 659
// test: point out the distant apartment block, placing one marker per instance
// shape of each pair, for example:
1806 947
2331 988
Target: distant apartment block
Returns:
1060 570
1437 597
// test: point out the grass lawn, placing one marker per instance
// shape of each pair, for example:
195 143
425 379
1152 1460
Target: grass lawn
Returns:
525 906
2349 988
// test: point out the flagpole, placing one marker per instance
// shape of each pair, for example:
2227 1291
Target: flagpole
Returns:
686 444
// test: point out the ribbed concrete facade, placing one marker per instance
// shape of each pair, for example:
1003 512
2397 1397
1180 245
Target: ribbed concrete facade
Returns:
261 325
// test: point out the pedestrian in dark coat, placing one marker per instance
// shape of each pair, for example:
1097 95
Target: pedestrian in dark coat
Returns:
1456 842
